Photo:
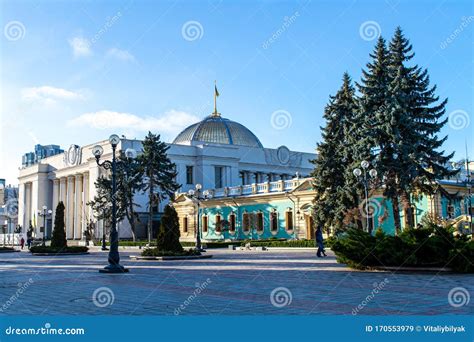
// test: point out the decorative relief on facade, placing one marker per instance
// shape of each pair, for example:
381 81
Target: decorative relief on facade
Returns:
283 156
73 155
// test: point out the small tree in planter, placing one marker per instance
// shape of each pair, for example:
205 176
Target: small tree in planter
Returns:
168 235
58 239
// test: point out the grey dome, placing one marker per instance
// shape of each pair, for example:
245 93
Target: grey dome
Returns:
218 130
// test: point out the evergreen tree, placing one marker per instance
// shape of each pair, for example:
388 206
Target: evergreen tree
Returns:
58 240
129 181
416 110
168 235
333 196
160 174
380 124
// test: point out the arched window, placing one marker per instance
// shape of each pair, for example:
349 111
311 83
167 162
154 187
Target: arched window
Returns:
204 223
185 224
246 222
289 219
260 226
218 223
274 221
232 223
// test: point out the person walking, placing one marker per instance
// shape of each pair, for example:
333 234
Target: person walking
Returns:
22 242
28 242
320 242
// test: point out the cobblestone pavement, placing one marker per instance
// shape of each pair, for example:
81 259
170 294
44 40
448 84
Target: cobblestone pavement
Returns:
232 282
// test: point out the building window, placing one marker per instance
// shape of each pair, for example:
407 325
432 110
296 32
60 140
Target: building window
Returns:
218 223
185 224
246 222
232 223
204 223
274 221
289 220
450 211
189 175
260 221
219 174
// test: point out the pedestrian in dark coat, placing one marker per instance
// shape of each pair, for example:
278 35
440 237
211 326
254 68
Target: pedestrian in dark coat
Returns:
320 242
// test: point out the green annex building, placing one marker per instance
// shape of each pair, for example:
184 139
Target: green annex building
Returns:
282 209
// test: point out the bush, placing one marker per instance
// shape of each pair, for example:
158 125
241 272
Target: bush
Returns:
354 248
156 252
57 250
426 246
58 240
462 257
168 235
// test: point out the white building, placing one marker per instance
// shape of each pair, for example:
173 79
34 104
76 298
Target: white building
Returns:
215 152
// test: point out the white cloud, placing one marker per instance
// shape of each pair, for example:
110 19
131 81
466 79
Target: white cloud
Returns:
122 55
48 94
172 121
81 47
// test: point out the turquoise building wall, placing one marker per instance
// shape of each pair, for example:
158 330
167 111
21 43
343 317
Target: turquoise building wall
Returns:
281 207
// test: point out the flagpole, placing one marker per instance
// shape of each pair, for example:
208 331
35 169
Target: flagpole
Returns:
215 98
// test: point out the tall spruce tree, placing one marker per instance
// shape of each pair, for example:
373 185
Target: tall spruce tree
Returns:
160 174
417 111
380 125
334 154
168 235
58 239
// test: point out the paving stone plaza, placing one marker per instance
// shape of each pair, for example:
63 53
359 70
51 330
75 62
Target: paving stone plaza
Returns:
275 282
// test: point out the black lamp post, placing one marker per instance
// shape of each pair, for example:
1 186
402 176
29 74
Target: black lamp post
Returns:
44 213
194 194
104 245
362 177
114 257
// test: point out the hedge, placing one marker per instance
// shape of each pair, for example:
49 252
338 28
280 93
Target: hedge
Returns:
157 253
422 247
58 250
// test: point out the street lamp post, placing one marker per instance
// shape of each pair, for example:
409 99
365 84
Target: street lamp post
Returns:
194 194
104 245
361 176
114 257
44 213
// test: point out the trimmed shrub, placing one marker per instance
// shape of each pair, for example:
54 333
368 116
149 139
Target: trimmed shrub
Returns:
58 240
168 235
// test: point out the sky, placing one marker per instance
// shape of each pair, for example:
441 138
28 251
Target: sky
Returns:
74 72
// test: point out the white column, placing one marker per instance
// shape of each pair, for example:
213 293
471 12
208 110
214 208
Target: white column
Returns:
21 206
28 216
70 208
78 208
85 194
55 197
63 190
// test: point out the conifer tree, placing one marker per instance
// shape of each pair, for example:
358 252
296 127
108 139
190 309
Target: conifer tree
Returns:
160 174
417 111
333 196
168 235
58 239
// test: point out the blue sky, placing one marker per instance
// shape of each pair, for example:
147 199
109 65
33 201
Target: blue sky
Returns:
76 71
